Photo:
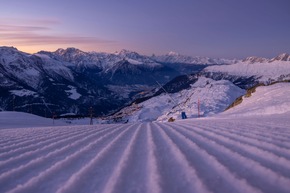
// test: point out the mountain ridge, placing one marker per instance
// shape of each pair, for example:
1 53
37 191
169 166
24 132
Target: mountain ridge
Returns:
71 80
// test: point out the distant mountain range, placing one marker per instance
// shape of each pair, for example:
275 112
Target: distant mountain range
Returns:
72 81
205 93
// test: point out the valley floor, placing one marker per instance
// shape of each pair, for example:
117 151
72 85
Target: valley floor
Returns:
219 155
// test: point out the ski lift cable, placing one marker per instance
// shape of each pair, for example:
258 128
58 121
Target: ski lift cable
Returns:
176 104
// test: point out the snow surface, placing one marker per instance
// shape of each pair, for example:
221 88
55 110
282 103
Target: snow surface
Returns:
43 56
23 92
11 119
265 71
267 100
136 62
56 68
73 94
200 155
220 154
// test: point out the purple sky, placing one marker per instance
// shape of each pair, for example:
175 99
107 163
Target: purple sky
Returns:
214 28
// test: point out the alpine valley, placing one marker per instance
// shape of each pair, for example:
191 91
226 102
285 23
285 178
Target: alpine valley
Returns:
126 86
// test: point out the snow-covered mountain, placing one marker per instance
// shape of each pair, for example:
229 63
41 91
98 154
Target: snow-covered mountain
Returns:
226 84
173 57
103 61
282 57
204 97
107 66
266 100
263 70
70 80
245 149
137 59
42 84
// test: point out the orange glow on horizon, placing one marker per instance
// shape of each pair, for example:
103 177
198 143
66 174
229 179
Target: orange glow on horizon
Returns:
52 48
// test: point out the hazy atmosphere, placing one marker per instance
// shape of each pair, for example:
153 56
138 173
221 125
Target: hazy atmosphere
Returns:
225 28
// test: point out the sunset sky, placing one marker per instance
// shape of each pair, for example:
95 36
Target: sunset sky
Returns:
214 28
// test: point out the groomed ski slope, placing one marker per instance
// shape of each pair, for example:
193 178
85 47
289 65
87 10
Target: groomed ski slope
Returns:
203 155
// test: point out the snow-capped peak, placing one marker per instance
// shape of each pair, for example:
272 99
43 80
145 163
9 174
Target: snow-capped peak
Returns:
124 51
173 57
263 69
7 51
8 48
281 57
9 54
135 58
171 53
128 54
255 59
70 51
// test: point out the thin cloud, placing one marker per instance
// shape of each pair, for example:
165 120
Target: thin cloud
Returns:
17 21
36 39
39 32
14 28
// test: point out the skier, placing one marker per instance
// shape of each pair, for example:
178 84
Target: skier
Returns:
183 115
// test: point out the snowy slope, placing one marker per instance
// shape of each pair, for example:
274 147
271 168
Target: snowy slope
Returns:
202 155
265 70
214 97
10 119
54 68
18 66
267 100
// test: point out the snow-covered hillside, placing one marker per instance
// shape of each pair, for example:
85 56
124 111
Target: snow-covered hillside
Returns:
23 120
267 100
213 96
200 155
265 70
